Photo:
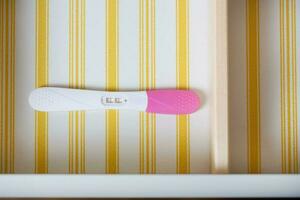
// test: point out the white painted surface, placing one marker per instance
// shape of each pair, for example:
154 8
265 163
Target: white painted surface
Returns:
149 185
129 80
95 79
166 78
25 65
200 59
270 86
58 62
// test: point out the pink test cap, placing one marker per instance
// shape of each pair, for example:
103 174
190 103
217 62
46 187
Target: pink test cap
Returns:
171 101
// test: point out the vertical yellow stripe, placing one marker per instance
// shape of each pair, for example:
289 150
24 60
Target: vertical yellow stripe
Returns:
289 151
147 84
147 144
7 41
253 87
182 81
292 91
289 115
77 80
12 84
6 88
9 87
147 44
76 48
112 68
282 87
7 65
2 49
41 118
147 81
76 143
295 99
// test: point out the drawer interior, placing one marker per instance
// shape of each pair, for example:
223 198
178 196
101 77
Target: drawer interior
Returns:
264 86
148 44
104 45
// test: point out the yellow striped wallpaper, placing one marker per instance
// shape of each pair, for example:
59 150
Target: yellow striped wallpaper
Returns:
7 87
41 79
112 84
147 81
288 87
182 82
165 41
263 49
253 86
77 80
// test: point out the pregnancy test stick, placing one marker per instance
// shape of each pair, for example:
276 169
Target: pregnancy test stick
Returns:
165 101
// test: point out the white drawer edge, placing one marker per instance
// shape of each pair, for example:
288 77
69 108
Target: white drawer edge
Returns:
149 185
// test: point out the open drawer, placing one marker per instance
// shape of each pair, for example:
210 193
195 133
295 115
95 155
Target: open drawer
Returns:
239 56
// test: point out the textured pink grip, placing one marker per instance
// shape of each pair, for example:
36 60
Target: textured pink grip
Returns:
172 101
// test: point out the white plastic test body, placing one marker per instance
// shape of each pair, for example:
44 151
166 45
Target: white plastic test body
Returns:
170 101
